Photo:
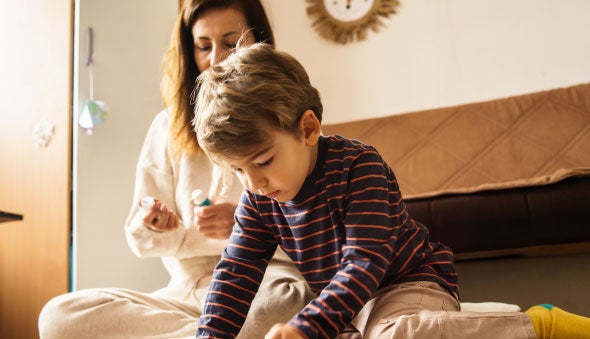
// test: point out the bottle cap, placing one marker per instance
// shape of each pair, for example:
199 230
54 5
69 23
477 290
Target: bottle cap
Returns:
147 202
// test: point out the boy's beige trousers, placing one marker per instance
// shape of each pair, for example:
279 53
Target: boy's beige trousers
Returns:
426 310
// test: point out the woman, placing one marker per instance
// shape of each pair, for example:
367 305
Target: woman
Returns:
171 165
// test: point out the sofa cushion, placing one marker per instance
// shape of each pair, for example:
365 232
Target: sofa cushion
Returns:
531 220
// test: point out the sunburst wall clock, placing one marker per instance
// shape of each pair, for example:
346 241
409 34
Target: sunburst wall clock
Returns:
345 21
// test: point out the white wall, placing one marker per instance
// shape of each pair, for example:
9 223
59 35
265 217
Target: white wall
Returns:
435 53
432 53
130 38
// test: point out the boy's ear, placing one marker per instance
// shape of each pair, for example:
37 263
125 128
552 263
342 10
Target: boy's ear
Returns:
311 127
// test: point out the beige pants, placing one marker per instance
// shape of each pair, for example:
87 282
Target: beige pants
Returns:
120 313
426 310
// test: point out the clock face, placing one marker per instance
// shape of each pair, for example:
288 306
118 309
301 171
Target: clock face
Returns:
347 20
348 10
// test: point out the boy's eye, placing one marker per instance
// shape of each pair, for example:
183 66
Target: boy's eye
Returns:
265 163
236 170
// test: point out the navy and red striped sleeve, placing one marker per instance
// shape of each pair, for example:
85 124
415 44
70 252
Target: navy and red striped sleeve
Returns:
237 276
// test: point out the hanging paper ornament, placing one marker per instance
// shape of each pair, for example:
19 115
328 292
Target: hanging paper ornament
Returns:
95 111
93 114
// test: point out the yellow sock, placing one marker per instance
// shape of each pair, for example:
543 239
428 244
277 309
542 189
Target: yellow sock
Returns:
554 323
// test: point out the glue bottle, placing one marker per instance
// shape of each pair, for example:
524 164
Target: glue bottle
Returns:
197 197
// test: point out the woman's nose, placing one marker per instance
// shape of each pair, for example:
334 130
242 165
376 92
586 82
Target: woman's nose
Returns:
218 54
215 57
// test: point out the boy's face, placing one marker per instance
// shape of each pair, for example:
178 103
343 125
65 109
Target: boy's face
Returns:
279 168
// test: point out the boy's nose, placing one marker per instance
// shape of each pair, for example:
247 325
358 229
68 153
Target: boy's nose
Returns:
257 182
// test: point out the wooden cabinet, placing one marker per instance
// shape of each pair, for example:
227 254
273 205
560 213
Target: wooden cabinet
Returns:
35 181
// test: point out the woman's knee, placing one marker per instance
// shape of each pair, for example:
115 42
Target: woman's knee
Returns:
286 282
63 314
55 316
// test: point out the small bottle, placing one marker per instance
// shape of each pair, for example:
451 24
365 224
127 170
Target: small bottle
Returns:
196 196
147 202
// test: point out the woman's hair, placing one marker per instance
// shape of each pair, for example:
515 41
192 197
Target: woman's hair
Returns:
180 69
255 90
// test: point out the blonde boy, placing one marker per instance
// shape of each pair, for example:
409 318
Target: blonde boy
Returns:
334 206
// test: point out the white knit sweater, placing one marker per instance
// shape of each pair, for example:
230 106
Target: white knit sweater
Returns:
171 181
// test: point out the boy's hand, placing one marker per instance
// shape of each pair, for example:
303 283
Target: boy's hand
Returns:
283 331
215 221
158 217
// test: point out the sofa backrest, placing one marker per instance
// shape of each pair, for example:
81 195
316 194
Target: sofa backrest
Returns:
524 140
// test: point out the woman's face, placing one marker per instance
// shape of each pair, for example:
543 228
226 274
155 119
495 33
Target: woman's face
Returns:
216 33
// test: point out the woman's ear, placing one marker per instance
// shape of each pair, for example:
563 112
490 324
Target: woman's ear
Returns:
311 127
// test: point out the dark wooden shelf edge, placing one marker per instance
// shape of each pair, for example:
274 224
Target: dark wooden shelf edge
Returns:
6 216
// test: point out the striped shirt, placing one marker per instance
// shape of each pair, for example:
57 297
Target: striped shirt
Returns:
348 232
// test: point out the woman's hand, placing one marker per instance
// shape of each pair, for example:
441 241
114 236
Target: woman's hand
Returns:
283 331
158 217
215 221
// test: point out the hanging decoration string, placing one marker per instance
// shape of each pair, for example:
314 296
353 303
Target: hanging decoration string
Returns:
95 111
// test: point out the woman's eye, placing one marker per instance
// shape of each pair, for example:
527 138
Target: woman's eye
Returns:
204 48
231 46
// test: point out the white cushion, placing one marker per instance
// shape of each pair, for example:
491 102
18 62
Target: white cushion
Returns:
489 306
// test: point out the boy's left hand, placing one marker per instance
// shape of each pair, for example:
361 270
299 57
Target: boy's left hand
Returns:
283 331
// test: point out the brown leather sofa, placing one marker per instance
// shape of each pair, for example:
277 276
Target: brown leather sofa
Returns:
498 178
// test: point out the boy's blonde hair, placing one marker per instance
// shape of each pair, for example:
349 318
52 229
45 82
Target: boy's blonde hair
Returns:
255 90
